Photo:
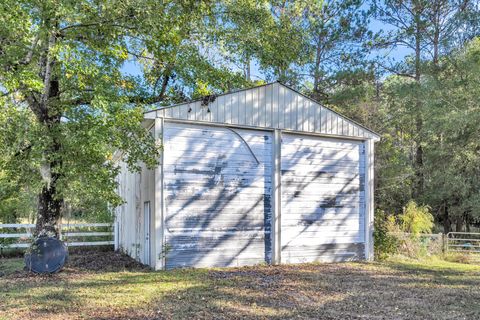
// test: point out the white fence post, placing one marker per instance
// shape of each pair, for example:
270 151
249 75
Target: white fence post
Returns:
115 235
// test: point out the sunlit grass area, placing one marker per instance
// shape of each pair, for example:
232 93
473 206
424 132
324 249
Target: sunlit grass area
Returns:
106 286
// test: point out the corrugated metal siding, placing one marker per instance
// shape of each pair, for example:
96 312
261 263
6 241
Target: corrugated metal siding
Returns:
323 199
270 106
135 188
217 197
126 213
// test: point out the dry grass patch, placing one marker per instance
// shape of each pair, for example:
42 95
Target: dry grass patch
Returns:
111 286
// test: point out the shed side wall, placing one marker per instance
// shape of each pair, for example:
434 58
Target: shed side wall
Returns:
135 188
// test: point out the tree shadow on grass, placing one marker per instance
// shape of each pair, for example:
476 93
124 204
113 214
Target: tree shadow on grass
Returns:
308 291
330 291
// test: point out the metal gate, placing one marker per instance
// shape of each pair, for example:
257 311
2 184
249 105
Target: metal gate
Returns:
467 242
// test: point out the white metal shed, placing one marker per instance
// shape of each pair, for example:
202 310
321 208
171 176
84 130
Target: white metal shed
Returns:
261 175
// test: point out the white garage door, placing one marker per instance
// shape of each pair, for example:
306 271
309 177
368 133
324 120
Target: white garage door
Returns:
322 199
217 196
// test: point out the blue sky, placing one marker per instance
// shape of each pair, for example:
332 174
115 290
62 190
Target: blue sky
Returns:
397 53
134 69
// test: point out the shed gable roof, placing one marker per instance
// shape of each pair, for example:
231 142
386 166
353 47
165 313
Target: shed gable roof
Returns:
272 106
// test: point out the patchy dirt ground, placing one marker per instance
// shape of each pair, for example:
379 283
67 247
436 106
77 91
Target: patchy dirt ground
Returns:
111 286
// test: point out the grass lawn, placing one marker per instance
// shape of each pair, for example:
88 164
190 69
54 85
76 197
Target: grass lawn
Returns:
110 286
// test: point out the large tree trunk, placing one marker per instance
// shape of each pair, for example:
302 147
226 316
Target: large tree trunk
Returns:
459 224
447 223
49 115
419 177
49 212
467 222
316 71
49 202
247 69
418 164
436 33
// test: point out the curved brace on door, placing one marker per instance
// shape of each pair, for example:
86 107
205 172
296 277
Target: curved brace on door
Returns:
245 143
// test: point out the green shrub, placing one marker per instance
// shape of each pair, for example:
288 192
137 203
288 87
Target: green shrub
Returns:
416 219
385 243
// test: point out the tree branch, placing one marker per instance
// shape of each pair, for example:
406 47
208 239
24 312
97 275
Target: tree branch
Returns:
30 52
48 70
96 23
33 104
398 73
4 94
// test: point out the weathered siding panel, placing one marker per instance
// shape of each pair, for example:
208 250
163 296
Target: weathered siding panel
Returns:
323 199
135 188
217 196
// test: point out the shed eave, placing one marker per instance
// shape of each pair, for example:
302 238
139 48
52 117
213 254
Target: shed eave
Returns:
238 126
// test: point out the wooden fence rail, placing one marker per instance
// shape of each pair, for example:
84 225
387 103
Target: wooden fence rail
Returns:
13 236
